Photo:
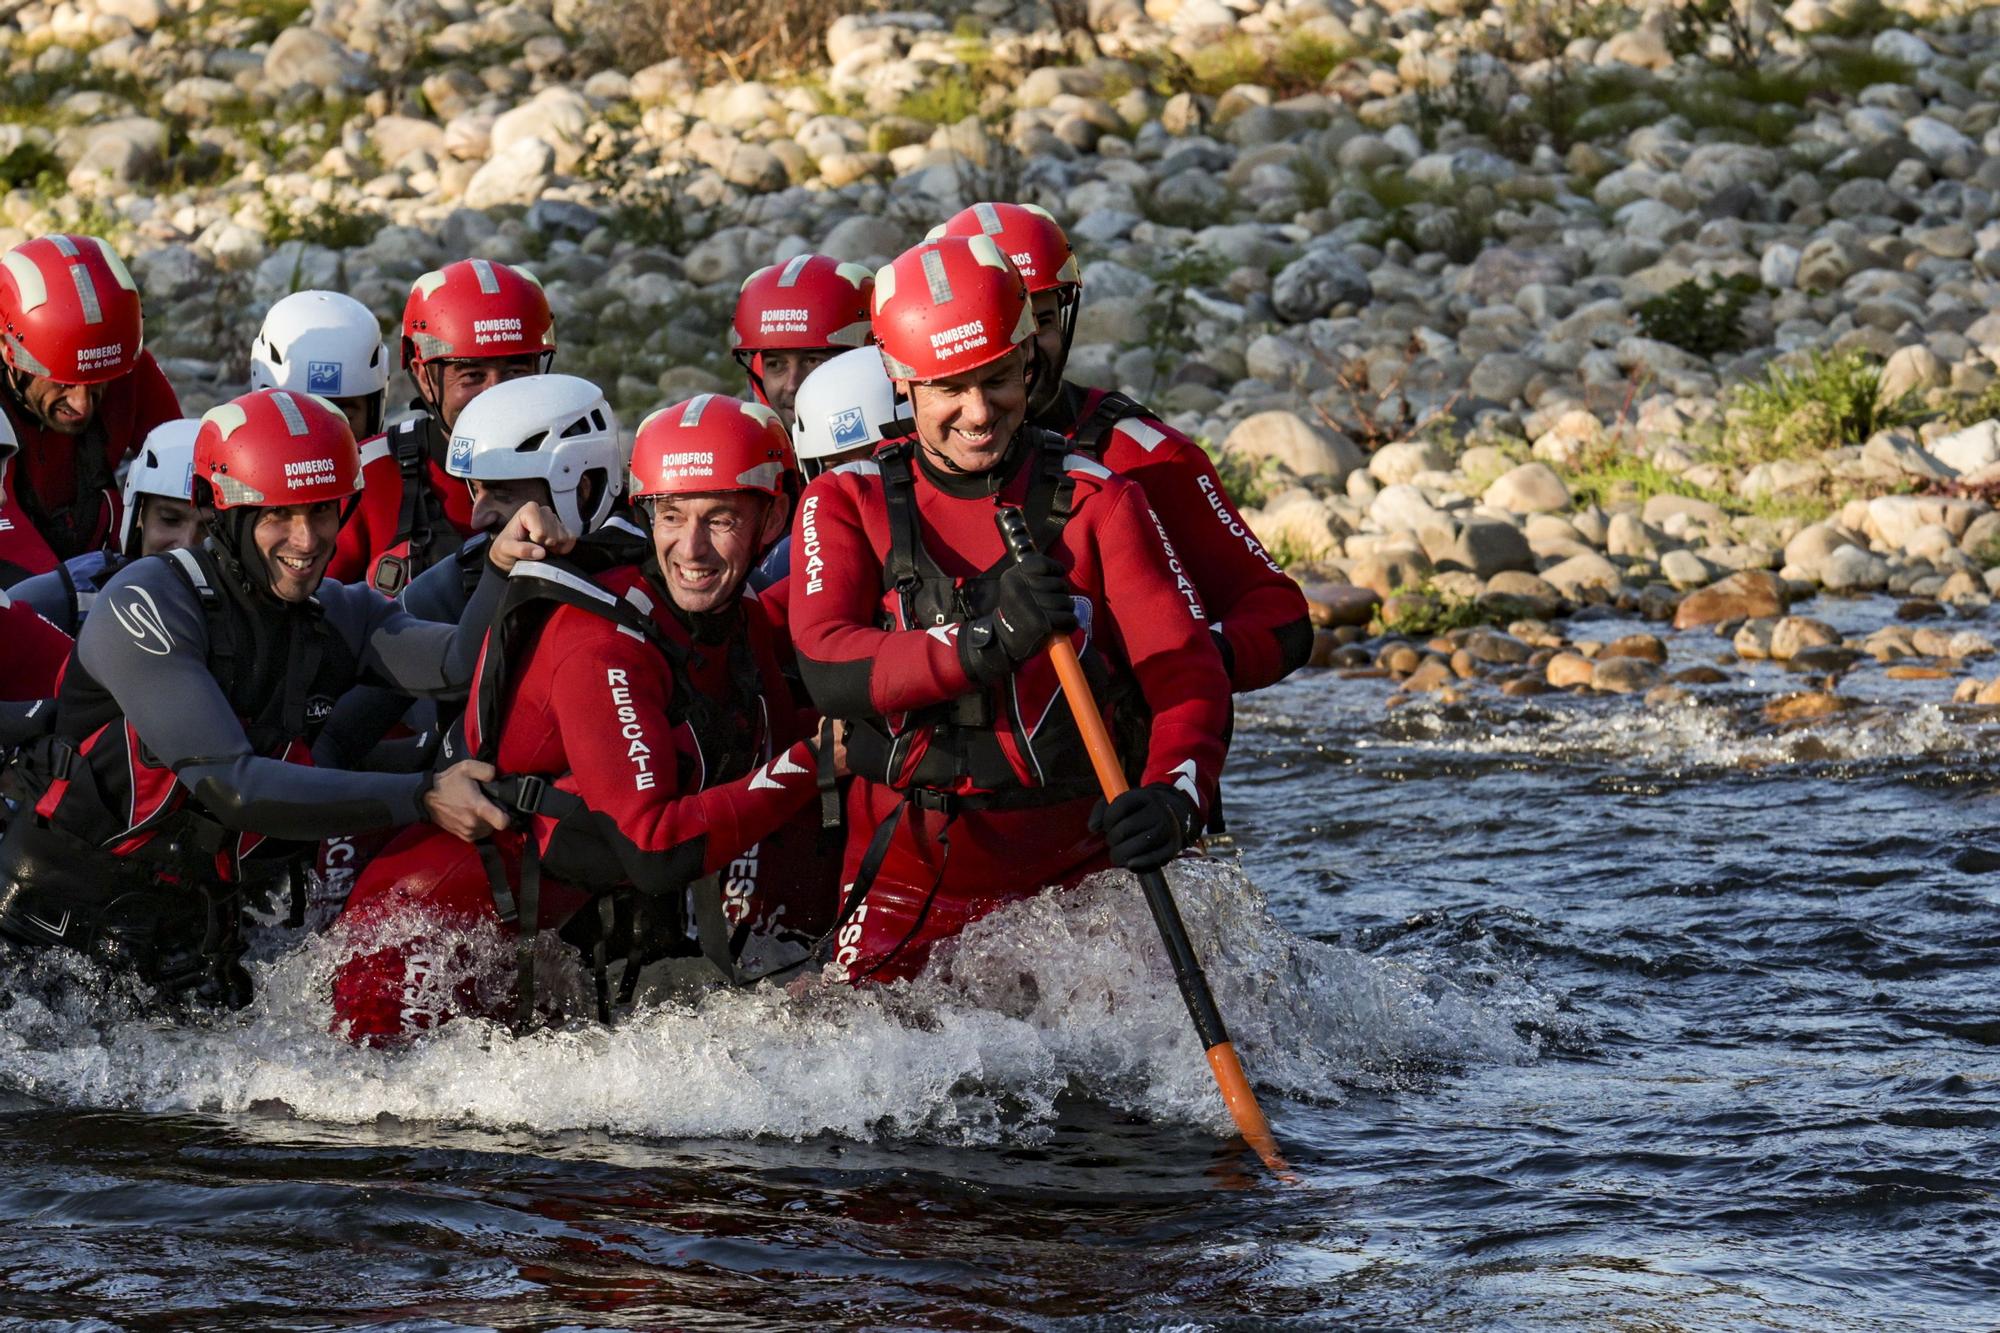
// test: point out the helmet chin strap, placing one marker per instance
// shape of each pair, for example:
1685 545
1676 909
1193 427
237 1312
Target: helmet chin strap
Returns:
229 534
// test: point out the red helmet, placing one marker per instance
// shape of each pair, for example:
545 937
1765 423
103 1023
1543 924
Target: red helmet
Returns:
1027 235
808 302
948 306
275 447
476 310
710 443
71 310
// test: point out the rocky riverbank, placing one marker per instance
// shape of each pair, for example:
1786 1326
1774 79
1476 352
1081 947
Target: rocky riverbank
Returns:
1494 311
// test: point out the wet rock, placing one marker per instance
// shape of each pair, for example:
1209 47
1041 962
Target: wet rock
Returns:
1325 649
1623 675
1643 647
1525 687
1495 649
1433 674
1803 707
1400 659
1583 578
1744 594
1794 634
1752 642
1331 604
1669 695
1568 670
1829 659
1989 693
1700 675
1923 673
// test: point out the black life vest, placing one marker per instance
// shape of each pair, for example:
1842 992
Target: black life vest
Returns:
963 746
424 536
1098 411
281 668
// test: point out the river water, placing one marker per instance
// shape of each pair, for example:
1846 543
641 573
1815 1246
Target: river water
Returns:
1571 1014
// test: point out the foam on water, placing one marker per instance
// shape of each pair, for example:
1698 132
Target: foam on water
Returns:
1698 735
1065 991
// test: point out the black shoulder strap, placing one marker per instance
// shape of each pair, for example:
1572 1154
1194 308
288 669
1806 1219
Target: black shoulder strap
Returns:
1109 410
1051 492
900 572
72 599
413 524
200 571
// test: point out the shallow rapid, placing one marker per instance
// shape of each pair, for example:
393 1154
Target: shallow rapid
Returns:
1572 1014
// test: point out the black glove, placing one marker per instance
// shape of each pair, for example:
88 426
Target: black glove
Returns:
1147 826
1033 604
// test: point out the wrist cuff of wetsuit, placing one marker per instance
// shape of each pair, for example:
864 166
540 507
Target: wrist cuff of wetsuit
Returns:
1222 646
425 782
980 652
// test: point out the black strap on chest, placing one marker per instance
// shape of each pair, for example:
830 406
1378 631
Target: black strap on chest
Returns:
421 527
304 654
1108 411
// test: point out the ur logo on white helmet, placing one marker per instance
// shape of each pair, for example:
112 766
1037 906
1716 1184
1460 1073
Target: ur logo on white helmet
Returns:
557 429
849 403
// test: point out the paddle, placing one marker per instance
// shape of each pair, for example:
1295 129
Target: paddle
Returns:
1229 1077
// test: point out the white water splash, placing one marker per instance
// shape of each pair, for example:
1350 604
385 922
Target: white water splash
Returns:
1067 990
1694 735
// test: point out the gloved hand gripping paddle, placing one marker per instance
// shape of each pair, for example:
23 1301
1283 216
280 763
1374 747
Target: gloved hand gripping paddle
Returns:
1229 1076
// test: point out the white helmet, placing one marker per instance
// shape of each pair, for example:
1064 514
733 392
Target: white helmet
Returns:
847 403
164 466
320 342
557 428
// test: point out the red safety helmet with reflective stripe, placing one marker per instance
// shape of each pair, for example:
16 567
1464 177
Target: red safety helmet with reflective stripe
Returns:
71 310
808 302
275 447
475 310
710 443
1030 238
949 306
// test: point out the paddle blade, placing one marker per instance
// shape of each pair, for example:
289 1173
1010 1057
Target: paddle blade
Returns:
1245 1111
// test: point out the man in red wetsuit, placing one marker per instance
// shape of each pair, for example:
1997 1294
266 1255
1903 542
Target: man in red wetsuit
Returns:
81 393
466 327
641 716
972 785
36 651
1259 615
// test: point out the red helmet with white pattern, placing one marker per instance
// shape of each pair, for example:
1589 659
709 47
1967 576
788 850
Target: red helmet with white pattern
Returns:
710 443
808 302
71 310
947 306
477 310
1030 238
275 447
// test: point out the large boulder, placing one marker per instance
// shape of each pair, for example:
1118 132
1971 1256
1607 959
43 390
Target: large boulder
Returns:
1744 595
516 176
1287 438
307 58
1488 546
558 116
1531 488
1584 578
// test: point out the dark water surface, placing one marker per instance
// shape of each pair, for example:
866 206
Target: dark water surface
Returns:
1573 1014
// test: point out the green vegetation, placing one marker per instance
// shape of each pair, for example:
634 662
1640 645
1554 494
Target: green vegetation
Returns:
1829 400
269 17
1609 476
1987 554
1426 611
1170 323
947 100
1983 406
31 164
1705 319
1248 485
330 225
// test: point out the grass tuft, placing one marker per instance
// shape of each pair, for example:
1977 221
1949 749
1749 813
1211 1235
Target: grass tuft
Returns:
1830 400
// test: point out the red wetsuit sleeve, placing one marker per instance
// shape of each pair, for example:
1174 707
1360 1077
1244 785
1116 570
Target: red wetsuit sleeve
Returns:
1261 612
368 530
23 549
853 667
609 696
1163 631
36 651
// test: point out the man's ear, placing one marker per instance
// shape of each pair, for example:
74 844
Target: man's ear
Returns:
777 519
